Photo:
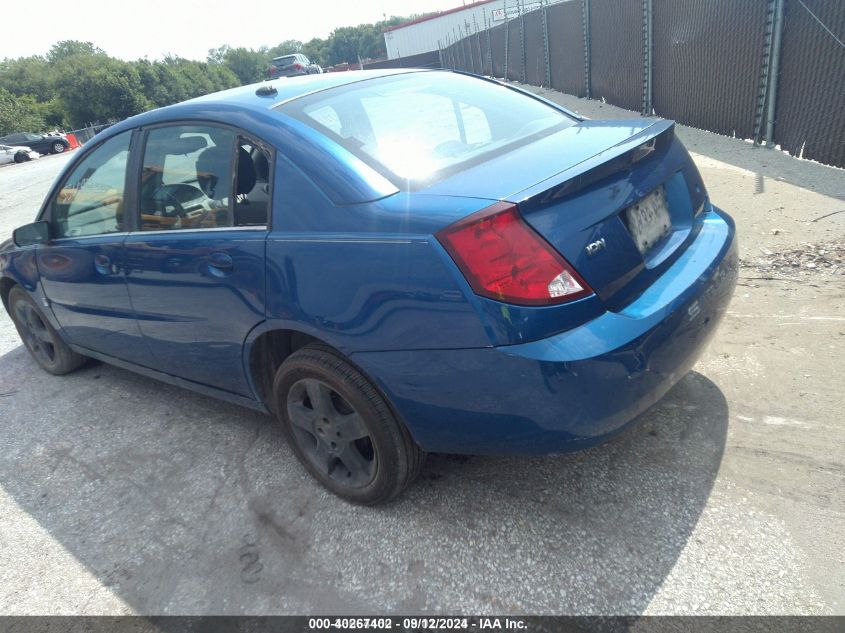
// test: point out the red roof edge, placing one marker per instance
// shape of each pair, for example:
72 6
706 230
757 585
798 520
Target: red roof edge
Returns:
439 14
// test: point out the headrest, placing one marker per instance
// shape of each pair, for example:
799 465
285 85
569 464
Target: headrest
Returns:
246 171
262 167
214 168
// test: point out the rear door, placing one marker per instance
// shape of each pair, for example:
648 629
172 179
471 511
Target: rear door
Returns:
195 269
82 265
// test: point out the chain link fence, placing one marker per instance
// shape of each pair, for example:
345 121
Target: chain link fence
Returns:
768 70
85 134
422 60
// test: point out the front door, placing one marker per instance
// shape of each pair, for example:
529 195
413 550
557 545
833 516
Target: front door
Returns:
82 266
195 269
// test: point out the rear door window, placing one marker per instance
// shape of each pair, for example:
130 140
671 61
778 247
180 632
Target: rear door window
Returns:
186 181
203 177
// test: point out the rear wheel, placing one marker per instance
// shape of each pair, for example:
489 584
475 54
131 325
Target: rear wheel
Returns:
39 337
342 429
58 147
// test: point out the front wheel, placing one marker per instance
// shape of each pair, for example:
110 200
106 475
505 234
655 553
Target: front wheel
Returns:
342 429
43 343
21 157
58 148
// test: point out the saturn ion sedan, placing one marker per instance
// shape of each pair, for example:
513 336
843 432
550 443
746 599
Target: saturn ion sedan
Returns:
389 262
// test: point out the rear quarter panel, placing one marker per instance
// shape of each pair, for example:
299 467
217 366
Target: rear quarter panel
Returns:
368 276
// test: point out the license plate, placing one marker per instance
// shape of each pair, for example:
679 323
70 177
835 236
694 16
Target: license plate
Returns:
648 220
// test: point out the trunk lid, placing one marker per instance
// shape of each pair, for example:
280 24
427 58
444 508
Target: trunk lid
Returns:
616 198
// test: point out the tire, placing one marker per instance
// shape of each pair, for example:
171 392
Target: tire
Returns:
57 147
341 428
20 157
43 342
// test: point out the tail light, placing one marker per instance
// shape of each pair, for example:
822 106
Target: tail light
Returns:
505 259
272 71
297 66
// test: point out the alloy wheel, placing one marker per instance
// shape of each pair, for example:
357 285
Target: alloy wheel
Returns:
331 433
35 333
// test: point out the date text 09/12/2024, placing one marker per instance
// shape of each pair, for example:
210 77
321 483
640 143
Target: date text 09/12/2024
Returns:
417 623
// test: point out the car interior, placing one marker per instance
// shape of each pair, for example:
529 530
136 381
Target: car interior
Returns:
187 181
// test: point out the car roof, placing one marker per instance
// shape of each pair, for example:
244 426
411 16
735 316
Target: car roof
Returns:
293 87
248 97
248 109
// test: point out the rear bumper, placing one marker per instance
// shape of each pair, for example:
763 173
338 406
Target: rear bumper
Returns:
573 389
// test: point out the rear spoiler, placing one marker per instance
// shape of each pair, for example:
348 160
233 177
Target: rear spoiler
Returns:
655 139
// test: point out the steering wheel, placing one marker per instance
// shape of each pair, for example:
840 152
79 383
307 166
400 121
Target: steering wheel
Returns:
168 202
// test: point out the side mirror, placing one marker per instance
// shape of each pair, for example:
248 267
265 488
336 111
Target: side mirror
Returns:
31 234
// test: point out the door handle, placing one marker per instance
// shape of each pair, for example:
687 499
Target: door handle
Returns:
220 264
103 264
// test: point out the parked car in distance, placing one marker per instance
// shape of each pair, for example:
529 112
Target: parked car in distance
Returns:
293 65
391 262
41 143
16 154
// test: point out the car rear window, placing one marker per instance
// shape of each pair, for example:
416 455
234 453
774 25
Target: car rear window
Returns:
284 61
419 128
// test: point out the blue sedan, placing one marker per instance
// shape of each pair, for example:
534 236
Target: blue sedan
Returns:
390 262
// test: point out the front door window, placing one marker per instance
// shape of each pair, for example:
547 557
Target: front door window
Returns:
90 202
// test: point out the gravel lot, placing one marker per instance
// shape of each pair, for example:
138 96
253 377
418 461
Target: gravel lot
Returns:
119 494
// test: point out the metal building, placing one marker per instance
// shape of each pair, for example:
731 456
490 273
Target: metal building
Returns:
422 35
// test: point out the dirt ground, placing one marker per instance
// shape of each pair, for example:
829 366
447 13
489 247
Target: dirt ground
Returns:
121 495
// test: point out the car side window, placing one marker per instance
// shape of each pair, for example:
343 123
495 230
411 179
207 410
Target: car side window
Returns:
90 202
187 178
253 184
202 177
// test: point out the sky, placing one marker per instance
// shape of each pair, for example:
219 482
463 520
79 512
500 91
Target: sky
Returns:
186 28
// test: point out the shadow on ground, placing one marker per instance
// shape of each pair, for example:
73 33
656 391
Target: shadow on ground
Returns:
183 504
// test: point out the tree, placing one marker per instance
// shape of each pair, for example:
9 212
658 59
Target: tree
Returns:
76 82
343 45
98 89
69 48
316 50
248 65
285 48
19 114
27 76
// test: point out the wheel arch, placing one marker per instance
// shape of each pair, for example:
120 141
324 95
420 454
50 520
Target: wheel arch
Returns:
6 285
266 354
